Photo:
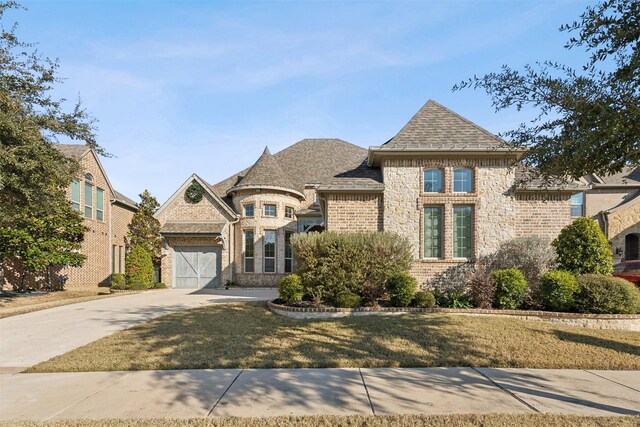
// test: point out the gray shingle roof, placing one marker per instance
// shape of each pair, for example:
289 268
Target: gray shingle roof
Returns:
192 227
526 178
629 200
435 127
629 176
125 200
317 161
74 151
265 172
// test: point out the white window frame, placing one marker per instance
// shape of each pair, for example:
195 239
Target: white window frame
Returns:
253 251
88 187
264 252
264 210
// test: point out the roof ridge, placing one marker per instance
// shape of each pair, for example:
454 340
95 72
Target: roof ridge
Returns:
465 120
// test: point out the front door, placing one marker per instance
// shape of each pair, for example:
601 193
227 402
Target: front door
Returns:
632 247
196 267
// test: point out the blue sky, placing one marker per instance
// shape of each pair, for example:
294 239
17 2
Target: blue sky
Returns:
184 87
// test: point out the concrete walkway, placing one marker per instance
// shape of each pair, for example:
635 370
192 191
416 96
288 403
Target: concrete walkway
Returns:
271 392
31 338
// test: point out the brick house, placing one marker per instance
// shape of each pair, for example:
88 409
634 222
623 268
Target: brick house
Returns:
443 182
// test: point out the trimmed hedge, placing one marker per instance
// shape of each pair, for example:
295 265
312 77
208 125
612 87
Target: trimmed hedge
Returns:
329 263
346 299
558 289
601 294
139 268
511 288
118 281
401 287
583 248
423 299
290 289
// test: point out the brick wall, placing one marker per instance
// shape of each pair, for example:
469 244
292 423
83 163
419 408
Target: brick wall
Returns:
541 214
602 199
354 212
121 218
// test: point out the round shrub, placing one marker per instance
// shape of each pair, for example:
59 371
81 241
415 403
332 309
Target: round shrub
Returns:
582 248
346 299
423 299
511 288
558 289
601 294
401 287
139 269
159 285
290 289
118 281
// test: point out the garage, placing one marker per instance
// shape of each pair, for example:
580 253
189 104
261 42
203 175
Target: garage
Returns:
197 267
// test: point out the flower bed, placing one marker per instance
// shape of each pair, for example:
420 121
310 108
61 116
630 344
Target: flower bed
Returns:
629 322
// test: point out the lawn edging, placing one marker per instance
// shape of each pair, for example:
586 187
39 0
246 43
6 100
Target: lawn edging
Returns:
623 322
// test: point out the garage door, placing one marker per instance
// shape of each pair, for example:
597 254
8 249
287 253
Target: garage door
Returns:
196 267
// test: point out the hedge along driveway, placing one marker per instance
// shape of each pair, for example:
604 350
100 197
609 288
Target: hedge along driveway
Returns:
248 335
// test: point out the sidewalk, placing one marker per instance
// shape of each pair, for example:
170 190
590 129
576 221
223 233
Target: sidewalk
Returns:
271 392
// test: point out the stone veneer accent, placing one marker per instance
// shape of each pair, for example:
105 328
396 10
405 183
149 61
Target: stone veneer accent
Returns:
495 211
629 322
620 224
354 212
258 224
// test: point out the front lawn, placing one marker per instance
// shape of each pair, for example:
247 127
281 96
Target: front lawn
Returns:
489 420
248 335
13 304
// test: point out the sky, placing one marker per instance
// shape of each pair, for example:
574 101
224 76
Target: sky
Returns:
202 87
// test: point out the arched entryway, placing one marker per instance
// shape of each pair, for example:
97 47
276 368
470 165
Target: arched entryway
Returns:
632 247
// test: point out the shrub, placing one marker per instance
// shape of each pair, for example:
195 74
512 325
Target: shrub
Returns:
401 287
605 294
118 281
533 256
452 286
423 299
511 288
290 289
346 299
557 289
139 267
483 288
329 263
159 285
583 249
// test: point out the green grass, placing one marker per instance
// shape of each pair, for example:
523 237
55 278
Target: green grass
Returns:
490 420
248 335
11 305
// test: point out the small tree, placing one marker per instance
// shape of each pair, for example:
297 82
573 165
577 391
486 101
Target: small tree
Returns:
582 248
144 229
139 269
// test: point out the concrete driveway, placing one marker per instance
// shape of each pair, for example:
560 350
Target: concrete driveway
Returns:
32 338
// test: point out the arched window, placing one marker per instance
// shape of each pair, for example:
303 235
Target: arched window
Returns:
463 180
433 181
88 177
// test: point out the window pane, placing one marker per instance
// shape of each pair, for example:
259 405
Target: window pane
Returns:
248 210
577 205
288 265
462 231
269 265
269 210
248 265
99 204
433 232
248 243
88 200
113 258
433 181
463 181
288 253
75 195
270 243
288 212
577 210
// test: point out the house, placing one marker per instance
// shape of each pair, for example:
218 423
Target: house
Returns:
106 212
443 182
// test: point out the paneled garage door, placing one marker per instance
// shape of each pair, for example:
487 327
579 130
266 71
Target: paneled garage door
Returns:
196 267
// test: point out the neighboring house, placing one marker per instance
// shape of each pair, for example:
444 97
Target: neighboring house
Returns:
615 202
107 213
442 182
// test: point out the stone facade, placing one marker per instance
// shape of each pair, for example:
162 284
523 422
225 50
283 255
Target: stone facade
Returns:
495 216
259 223
620 224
